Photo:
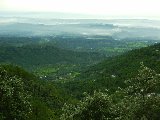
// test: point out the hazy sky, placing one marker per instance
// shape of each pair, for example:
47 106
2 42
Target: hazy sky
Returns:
146 7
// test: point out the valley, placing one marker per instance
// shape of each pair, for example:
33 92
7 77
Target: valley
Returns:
79 69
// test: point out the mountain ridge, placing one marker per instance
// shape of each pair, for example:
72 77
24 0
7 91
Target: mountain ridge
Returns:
111 73
38 58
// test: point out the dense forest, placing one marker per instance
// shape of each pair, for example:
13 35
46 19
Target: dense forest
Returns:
44 82
82 43
50 61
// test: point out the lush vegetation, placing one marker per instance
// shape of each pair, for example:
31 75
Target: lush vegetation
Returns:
138 101
48 61
68 85
82 43
111 73
24 96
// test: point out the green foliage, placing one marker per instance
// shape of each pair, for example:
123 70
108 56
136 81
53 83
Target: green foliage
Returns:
40 111
138 101
46 60
85 43
14 99
141 99
145 82
25 97
138 107
51 97
112 72
138 98
93 107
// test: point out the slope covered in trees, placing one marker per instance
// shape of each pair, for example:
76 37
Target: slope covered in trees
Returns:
139 101
111 73
129 62
133 92
82 43
24 96
36 55
48 60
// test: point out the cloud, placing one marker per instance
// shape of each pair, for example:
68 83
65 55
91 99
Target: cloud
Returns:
8 20
84 6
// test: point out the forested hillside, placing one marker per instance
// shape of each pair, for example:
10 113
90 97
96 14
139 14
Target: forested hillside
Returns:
119 88
111 73
45 60
124 87
23 96
82 43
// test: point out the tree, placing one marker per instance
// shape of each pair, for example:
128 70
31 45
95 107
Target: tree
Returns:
40 111
14 101
93 107
141 102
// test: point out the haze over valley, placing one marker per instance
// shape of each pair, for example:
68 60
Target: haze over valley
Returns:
79 60
49 24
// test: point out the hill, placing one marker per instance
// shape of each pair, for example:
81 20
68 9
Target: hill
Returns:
111 73
24 92
23 95
82 43
129 62
45 60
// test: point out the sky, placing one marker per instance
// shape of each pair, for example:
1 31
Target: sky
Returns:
109 7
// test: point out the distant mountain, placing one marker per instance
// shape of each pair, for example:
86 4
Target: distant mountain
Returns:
81 43
118 29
